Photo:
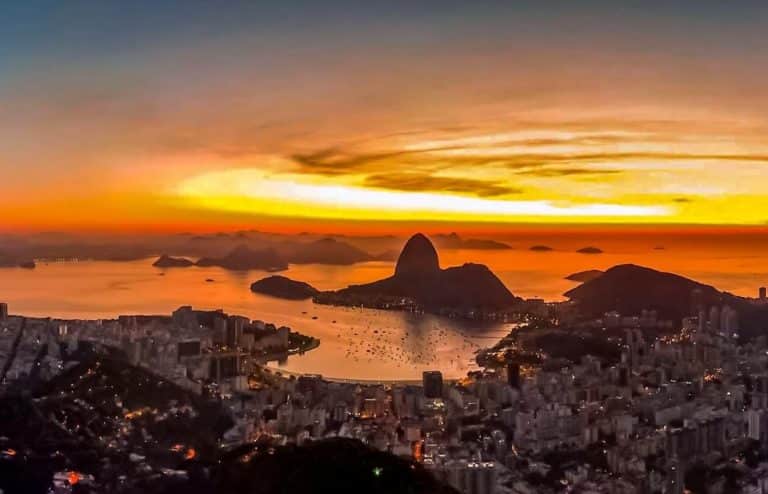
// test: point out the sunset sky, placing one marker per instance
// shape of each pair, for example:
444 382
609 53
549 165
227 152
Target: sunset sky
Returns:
198 115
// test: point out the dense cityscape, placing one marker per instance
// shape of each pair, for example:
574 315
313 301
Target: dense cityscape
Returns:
686 409
401 247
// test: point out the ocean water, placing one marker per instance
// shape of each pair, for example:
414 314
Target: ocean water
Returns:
367 344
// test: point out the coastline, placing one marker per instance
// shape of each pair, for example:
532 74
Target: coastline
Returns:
362 382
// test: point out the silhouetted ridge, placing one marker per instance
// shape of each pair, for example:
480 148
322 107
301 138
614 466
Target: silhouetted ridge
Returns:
629 289
166 261
584 276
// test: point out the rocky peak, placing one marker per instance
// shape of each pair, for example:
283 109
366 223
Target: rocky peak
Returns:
418 257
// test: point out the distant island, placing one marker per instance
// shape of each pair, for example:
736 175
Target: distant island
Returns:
590 250
326 251
243 258
419 283
541 248
583 276
282 287
273 256
166 261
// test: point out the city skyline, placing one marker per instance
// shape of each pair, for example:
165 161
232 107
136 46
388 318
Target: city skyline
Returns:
302 117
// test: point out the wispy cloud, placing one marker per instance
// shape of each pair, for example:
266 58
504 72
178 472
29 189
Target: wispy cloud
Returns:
336 161
445 156
424 182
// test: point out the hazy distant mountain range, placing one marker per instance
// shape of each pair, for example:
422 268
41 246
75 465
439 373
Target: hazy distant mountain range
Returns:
241 250
243 258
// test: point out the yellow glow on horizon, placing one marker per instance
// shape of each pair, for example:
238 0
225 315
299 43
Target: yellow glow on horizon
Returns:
253 191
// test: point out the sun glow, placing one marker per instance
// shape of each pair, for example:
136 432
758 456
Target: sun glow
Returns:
253 191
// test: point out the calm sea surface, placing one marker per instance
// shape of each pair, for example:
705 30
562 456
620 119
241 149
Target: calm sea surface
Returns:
365 344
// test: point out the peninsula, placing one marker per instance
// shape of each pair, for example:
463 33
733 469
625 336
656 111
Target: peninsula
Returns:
419 283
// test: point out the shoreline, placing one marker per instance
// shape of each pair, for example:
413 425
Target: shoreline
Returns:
362 382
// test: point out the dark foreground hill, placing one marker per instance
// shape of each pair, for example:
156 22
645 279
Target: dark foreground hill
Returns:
116 428
104 419
342 466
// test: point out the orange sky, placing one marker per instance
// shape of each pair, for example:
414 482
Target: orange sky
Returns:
425 121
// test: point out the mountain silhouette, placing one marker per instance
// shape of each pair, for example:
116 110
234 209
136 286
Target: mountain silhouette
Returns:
282 287
628 289
243 258
418 278
166 261
418 258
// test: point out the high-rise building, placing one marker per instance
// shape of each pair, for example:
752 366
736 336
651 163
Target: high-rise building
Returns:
513 374
675 480
3 311
702 320
224 367
729 322
624 376
763 293
697 301
185 317
433 384
470 477
220 331
714 319
234 330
